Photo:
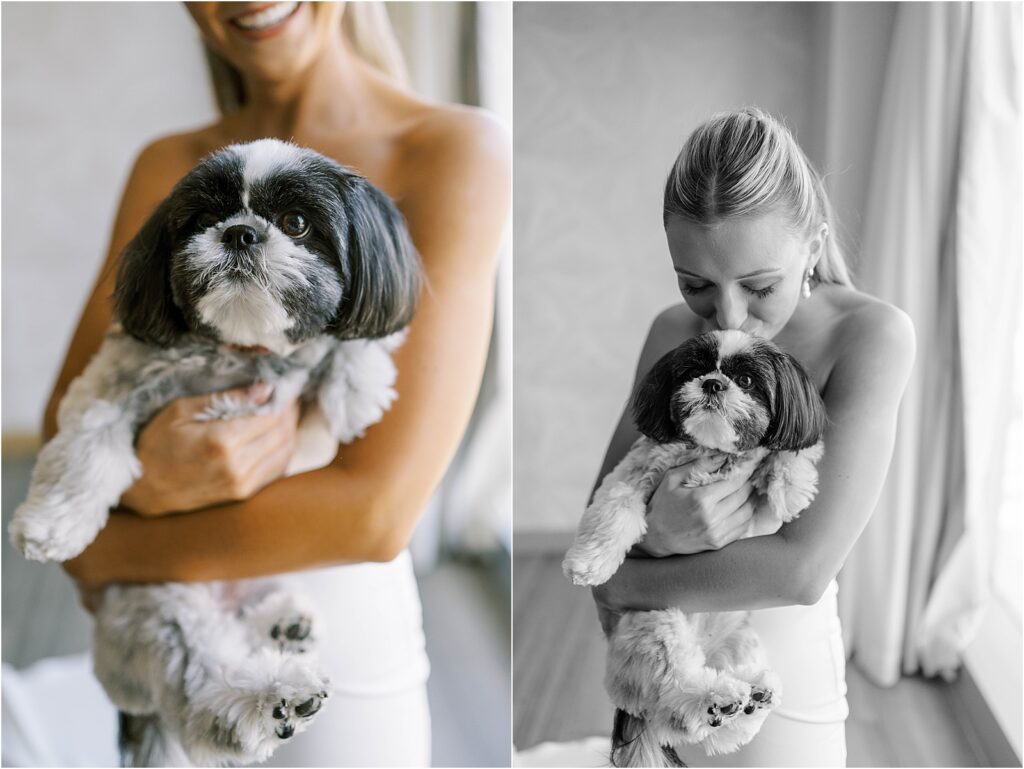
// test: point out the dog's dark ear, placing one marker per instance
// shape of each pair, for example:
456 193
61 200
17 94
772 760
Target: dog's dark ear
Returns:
382 271
142 295
652 400
799 419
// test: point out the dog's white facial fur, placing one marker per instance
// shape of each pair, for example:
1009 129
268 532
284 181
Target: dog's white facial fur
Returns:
269 245
244 302
731 392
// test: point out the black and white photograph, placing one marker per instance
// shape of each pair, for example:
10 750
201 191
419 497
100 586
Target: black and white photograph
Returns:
767 384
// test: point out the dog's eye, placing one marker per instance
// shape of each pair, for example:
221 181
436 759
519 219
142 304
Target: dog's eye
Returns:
744 381
294 224
206 221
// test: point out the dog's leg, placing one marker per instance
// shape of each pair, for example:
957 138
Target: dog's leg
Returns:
78 477
280 619
254 705
789 481
358 386
614 522
181 651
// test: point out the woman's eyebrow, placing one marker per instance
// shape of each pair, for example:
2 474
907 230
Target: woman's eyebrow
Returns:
753 274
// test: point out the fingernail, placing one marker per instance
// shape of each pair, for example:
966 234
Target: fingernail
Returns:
260 392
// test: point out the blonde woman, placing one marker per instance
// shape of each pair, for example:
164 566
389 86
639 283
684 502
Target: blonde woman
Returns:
329 77
751 235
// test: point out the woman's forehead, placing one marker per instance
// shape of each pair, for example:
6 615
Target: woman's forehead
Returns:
732 248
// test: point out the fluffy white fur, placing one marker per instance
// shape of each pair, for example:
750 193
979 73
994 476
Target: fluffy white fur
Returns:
698 678
222 673
210 661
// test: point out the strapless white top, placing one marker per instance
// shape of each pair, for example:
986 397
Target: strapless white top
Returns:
372 635
372 625
804 645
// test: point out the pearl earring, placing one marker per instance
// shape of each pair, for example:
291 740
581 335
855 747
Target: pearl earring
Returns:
807 282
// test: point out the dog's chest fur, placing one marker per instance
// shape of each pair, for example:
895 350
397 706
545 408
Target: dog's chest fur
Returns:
145 378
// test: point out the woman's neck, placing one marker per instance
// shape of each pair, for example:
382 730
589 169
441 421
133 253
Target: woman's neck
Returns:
335 93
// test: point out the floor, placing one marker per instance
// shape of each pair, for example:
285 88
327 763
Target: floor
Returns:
558 658
465 616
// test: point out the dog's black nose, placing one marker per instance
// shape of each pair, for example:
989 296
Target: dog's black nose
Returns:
240 236
712 386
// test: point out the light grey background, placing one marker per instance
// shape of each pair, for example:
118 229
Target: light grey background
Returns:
85 86
605 94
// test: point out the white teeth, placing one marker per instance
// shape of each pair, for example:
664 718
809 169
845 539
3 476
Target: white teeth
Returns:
268 17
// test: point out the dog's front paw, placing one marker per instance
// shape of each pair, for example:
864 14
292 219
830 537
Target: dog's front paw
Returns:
589 568
50 533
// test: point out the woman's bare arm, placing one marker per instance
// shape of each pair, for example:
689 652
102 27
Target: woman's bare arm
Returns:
794 565
365 505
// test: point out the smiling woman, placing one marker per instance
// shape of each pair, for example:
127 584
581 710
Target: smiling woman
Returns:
339 531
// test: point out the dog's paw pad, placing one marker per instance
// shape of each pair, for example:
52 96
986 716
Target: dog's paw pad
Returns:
297 629
718 712
287 713
293 634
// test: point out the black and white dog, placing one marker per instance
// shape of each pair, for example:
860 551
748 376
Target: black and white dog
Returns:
733 405
268 263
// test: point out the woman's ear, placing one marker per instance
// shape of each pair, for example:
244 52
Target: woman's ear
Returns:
143 302
652 400
817 246
799 419
381 269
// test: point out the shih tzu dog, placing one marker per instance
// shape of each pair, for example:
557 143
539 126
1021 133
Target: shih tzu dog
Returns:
267 263
734 405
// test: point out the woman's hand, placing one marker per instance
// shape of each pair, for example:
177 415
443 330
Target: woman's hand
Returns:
189 464
683 520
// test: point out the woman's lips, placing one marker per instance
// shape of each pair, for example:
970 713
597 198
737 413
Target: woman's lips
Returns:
266 21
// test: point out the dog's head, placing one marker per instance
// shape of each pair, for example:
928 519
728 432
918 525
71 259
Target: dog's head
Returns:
266 245
730 391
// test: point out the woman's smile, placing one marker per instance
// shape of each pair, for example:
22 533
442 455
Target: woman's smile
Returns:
266 20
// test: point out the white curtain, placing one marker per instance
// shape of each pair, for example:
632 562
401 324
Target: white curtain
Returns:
942 240
462 52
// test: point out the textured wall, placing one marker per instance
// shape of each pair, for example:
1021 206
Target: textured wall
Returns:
605 94
85 86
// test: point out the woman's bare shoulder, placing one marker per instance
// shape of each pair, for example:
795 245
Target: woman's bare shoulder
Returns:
672 326
453 142
165 159
865 322
874 343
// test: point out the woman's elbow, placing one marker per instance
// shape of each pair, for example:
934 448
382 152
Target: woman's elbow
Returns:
390 525
809 583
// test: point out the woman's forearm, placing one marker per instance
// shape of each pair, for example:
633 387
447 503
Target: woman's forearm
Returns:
756 573
321 518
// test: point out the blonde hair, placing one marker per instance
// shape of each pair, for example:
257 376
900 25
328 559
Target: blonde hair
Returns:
747 163
367 29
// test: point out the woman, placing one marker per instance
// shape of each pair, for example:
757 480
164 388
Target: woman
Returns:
749 229
303 79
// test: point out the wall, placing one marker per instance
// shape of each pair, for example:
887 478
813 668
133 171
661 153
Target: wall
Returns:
85 86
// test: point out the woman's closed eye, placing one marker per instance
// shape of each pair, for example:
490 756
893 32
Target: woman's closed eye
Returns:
760 292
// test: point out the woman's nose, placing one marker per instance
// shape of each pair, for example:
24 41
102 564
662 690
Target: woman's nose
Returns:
730 312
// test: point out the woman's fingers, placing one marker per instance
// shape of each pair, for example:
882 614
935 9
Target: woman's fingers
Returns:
264 456
189 462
